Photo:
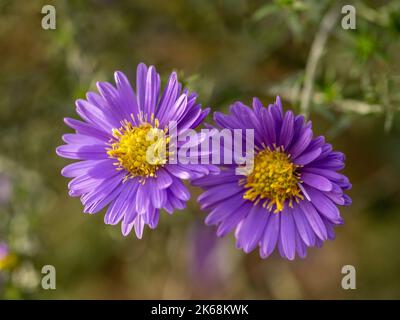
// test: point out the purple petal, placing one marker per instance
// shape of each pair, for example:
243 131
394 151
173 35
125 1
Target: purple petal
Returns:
158 196
226 121
200 118
176 111
115 104
189 119
329 228
127 95
116 210
252 228
139 226
179 190
151 91
178 171
288 234
155 217
269 128
88 129
174 202
82 152
81 139
141 75
271 235
316 181
218 193
168 98
79 168
233 220
325 206
287 129
347 200
314 219
301 144
126 228
307 157
142 198
163 179
95 116
223 209
226 176
102 195
329 174
301 248
303 227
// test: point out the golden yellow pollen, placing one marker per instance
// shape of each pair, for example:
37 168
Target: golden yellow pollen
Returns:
140 150
273 180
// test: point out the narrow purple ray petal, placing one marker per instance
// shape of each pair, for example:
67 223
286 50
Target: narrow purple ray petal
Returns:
95 116
222 209
301 248
158 196
329 174
142 201
152 88
307 157
88 129
251 229
303 227
115 105
316 181
81 139
82 152
101 196
219 193
141 75
271 235
116 210
127 95
139 226
288 232
168 97
314 219
180 191
324 205
79 168
163 179
301 144
287 129
231 222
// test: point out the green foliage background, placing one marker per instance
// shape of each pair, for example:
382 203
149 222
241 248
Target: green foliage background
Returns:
225 50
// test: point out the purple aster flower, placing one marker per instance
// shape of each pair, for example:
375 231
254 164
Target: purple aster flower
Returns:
118 128
289 199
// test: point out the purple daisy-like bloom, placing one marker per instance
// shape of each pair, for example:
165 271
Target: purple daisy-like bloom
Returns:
289 199
118 128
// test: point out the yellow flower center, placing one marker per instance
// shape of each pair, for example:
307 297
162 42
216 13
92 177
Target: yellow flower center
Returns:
273 180
140 150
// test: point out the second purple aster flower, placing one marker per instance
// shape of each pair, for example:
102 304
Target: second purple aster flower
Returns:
289 199
119 125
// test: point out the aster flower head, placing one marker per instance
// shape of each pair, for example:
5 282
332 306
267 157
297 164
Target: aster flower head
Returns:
289 198
120 126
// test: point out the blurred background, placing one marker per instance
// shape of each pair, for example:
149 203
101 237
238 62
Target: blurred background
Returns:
346 80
